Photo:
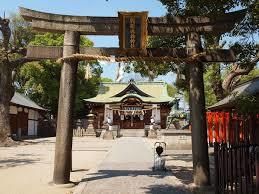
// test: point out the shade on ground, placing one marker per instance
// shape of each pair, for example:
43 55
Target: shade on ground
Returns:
127 169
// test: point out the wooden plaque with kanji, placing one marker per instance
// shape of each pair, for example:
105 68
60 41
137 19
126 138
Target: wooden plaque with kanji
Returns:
133 33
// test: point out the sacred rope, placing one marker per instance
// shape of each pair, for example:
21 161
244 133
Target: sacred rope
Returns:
85 57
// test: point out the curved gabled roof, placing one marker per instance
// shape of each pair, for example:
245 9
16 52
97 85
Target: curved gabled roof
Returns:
22 100
132 88
149 92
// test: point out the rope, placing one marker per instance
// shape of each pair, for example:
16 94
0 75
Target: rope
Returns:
85 57
130 110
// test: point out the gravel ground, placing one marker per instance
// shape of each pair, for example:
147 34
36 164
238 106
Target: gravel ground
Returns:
122 166
28 169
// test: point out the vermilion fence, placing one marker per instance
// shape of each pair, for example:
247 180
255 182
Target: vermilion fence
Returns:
232 128
236 151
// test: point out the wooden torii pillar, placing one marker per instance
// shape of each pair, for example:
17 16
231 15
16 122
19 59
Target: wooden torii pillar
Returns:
64 132
74 26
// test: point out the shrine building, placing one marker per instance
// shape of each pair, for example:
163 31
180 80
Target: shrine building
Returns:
131 105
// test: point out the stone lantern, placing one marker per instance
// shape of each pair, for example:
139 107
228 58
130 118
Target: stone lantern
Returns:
90 128
152 129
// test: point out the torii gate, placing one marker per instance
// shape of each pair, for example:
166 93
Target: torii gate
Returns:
132 29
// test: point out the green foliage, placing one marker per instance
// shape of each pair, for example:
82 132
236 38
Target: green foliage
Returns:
84 41
152 70
86 88
106 79
48 39
166 42
53 39
21 31
256 12
253 74
246 104
245 52
171 90
209 93
203 7
245 30
40 80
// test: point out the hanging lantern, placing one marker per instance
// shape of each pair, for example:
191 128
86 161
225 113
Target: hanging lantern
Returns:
141 117
122 117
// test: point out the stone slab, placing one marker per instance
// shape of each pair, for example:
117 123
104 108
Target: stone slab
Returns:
108 135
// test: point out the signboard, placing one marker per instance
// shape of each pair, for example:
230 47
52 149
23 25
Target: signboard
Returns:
133 33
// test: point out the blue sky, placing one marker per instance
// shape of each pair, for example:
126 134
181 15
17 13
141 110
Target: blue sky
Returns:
92 8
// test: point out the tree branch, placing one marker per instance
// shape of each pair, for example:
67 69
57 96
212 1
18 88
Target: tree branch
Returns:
18 62
14 50
235 72
238 71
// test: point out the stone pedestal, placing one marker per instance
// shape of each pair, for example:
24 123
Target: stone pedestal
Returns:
108 135
102 133
152 134
90 131
177 139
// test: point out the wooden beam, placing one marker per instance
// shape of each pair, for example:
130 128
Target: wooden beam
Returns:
157 26
44 52
29 15
52 52
86 29
113 29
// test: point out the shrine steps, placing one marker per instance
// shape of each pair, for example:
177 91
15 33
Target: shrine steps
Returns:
132 133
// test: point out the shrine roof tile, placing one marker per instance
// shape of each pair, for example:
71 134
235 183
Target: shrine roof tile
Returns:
22 100
157 92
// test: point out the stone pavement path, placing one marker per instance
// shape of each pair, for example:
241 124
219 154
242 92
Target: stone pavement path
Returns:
127 169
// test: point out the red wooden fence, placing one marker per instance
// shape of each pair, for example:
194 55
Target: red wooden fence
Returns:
236 151
233 128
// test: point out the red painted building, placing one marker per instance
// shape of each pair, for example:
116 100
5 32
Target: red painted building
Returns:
227 123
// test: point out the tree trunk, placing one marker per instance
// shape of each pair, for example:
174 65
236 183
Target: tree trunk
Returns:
216 82
63 151
200 155
5 83
5 97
